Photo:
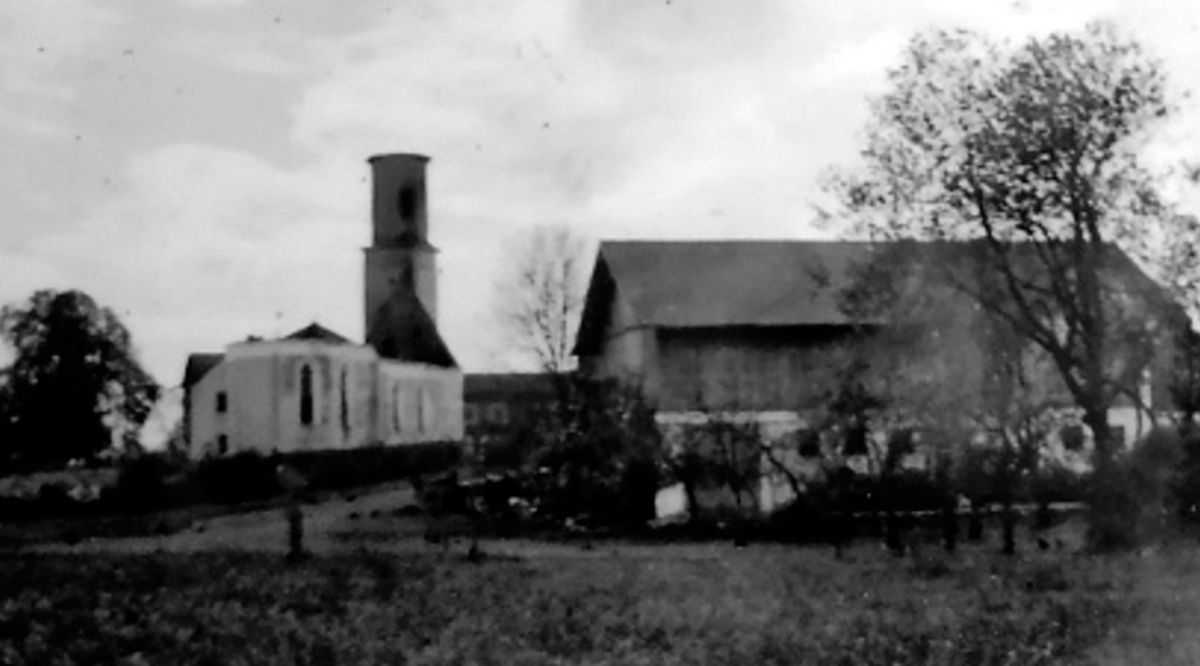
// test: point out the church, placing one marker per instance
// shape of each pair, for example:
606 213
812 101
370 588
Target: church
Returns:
317 390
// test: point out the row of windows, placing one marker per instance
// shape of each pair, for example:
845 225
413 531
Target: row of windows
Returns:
425 407
492 413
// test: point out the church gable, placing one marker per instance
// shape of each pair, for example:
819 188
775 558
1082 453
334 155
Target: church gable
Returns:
317 333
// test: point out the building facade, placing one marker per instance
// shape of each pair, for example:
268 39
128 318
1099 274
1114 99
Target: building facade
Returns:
317 390
498 407
754 332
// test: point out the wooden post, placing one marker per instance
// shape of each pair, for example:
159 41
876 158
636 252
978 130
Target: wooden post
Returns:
294 483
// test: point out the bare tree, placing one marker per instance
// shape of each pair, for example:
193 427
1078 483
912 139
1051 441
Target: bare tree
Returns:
541 295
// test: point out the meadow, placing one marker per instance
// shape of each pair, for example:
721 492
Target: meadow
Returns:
608 603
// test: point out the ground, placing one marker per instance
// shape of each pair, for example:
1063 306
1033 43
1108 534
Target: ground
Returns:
375 592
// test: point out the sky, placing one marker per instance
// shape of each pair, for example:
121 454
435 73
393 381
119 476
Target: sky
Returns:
199 166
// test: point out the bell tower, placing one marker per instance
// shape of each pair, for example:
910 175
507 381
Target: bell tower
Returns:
400 257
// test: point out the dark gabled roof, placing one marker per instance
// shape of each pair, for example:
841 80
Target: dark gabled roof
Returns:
526 385
319 333
197 366
724 283
404 331
783 283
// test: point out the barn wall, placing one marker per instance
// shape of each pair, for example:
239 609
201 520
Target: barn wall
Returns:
743 369
629 351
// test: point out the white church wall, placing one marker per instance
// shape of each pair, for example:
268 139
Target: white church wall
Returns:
206 423
263 384
418 403
321 423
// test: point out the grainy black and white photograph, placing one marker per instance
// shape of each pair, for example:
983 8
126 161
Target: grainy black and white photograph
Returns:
623 332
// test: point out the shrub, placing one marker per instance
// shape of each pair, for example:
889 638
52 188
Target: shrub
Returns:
1129 497
810 518
249 476
1186 489
242 477
141 484
1053 483
602 449
339 470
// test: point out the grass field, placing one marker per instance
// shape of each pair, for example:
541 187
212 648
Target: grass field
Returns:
678 604
219 592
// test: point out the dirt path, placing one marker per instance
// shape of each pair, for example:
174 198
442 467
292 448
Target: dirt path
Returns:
258 530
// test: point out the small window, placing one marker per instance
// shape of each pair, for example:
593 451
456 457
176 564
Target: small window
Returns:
222 402
902 442
497 413
809 443
470 414
856 441
306 395
1117 434
222 444
1072 437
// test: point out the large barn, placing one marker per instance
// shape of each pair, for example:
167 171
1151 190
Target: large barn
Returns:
315 389
745 330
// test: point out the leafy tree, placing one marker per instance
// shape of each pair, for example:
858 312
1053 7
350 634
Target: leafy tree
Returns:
604 451
1185 375
1029 153
75 381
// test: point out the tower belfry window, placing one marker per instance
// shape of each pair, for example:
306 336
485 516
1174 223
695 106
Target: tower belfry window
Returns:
407 204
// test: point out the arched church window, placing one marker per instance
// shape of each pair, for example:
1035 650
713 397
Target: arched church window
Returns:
345 403
396 407
423 409
306 395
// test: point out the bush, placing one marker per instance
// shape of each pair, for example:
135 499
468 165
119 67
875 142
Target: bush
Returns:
249 476
1129 497
809 518
141 484
1058 484
1186 489
900 491
242 477
339 470
603 450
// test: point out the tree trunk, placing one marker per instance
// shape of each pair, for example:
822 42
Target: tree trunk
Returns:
891 533
295 519
1096 419
949 526
693 504
1043 517
974 523
836 534
1009 528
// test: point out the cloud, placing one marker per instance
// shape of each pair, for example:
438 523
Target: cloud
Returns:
219 175
209 245
34 42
